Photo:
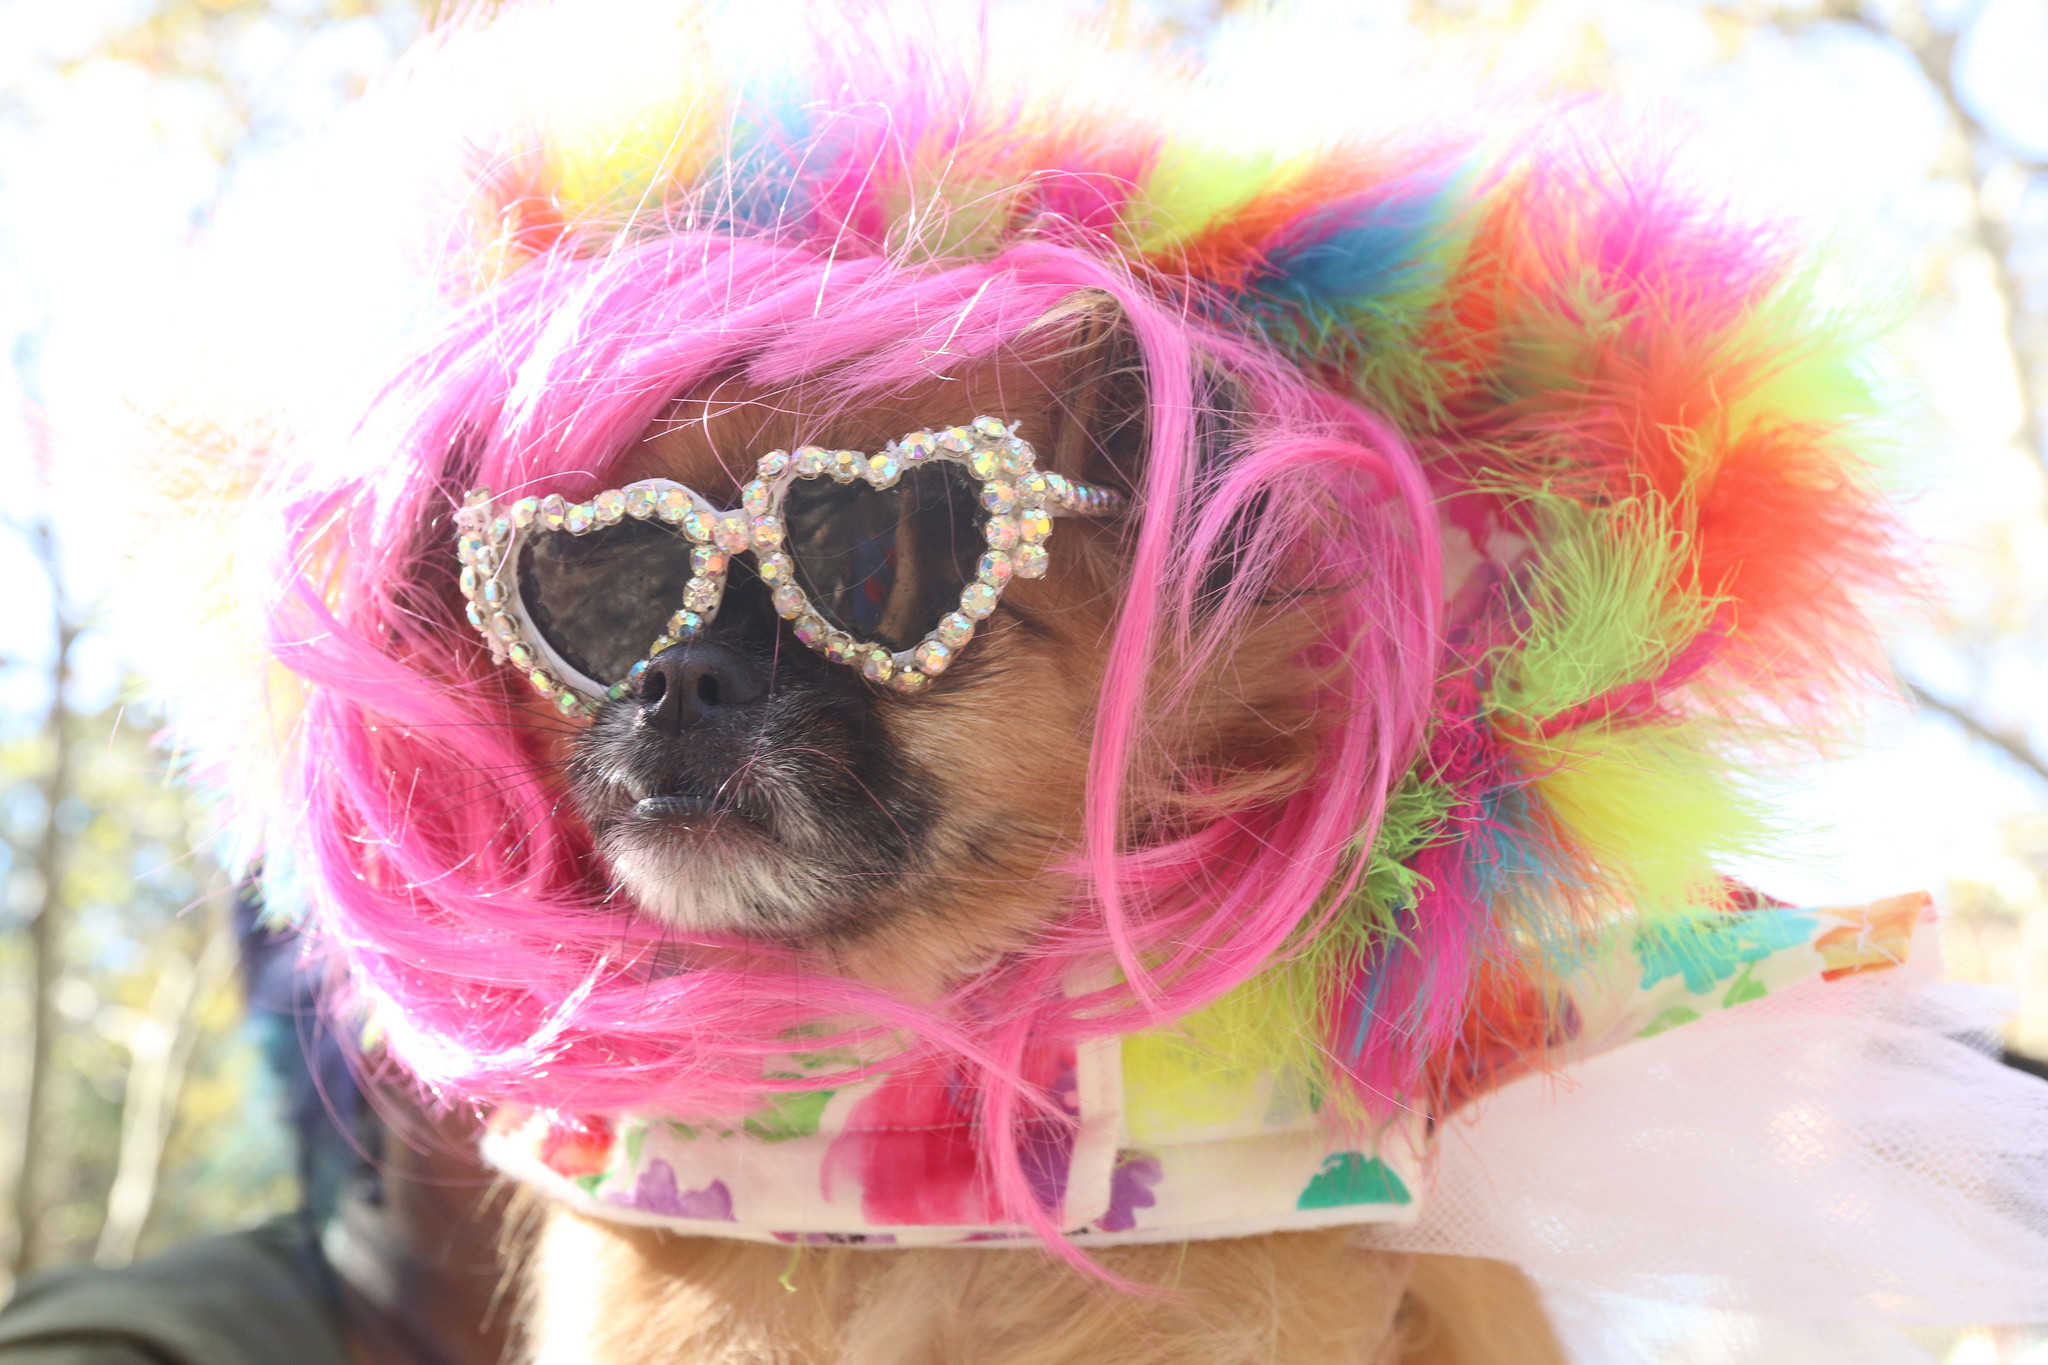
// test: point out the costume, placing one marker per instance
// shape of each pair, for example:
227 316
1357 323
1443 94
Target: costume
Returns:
1577 451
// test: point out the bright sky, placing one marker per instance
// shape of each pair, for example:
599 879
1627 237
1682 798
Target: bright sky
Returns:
104 170
105 173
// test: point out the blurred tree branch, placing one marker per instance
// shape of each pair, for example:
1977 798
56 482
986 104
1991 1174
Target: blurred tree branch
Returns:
160 1049
2012 746
45 937
1934 51
1904 24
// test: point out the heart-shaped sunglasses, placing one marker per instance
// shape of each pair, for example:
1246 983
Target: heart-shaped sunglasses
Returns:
883 562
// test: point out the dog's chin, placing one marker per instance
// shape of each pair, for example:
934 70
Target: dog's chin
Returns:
714 872
712 867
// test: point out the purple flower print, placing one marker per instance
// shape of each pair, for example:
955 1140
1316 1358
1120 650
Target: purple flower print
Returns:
1130 1189
656 1192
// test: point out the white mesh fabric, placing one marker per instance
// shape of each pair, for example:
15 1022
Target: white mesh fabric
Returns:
1615 1329
1837 1151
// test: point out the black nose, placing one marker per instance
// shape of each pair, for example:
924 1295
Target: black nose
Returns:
685 685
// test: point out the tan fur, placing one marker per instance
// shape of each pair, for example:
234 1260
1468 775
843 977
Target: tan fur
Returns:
602 1293
1304 1298
1010 758
1461 1310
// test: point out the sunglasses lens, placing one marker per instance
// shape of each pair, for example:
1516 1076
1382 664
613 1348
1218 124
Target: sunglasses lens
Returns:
885 564
599 600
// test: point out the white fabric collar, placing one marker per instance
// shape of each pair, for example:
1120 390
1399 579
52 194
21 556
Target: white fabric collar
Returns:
889 1162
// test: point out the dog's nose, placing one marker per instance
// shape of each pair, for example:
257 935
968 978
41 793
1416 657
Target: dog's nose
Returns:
685 685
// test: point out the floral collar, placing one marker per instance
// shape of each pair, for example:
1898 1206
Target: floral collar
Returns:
892 1161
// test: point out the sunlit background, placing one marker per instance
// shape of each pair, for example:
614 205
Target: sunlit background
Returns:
133 1113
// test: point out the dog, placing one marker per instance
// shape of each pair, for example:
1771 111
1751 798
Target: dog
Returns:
975 701
795 804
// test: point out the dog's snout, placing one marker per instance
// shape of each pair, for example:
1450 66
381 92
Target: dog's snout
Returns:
685 685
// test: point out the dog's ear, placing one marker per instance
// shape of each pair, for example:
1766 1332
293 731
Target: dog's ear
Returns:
1101 399
1102 395
1101 412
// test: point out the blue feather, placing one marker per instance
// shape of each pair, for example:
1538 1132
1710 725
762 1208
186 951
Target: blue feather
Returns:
761 186
1354 254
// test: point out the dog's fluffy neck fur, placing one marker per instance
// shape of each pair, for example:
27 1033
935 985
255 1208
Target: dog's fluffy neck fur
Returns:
600 1293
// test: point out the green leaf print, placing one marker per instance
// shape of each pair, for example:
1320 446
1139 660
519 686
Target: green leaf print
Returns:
1669 1019
1745 988
1353 1178
791 1114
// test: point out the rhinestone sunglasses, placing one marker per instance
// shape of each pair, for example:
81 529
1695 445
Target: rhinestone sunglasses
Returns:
884 562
